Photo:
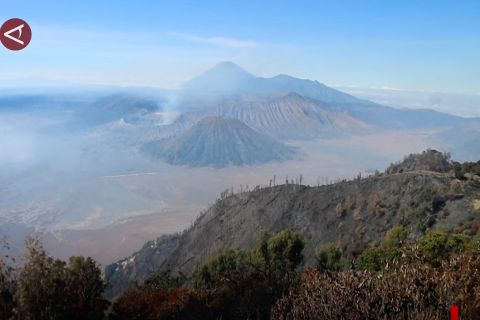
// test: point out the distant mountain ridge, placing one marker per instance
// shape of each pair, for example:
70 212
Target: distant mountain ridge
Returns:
115 107
281 107
227 79
217 89
283 116
463 140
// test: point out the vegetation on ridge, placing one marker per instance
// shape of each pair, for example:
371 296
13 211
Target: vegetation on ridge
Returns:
413 269
400 279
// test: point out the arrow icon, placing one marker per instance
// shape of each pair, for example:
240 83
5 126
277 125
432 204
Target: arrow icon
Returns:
19 29
15 34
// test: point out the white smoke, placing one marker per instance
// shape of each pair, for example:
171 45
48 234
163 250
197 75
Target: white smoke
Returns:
17 144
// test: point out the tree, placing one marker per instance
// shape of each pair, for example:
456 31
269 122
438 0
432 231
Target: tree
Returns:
229 265
247 283
281 253
40 292
48 288
7 288
163 279
85 287
329 258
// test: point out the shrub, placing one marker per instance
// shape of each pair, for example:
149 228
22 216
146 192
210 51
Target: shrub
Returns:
371 259
7 290
395 237
245 284
434 245
85 287
438 245
329 258
458 242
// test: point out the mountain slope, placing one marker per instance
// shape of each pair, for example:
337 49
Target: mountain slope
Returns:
110 109
391 118
463 140
219 142
283 116
352 214
116 107
135 267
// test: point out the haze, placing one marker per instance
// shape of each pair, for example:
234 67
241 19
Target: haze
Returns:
100 141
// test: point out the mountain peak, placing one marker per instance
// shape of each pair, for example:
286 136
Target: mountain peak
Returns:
225 77
228 65
219 142
227 69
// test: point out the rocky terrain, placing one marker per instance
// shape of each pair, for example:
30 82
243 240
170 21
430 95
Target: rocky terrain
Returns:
352 214
429 160
283 116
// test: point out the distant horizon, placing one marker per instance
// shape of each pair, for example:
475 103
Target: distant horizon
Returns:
461 104
39 82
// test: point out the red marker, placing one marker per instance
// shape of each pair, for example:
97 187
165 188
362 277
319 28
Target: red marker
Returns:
15 34
454 313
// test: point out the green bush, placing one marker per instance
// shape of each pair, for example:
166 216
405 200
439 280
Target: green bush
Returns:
458 242
395 237
329 258
226 265
439 244
371 259
376 258
474 245
434 245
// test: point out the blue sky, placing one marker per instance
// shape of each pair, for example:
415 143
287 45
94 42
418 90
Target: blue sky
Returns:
414 45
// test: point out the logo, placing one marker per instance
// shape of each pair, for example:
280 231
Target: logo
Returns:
15 34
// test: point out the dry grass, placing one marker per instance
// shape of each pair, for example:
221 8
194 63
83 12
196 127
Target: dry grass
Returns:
411 291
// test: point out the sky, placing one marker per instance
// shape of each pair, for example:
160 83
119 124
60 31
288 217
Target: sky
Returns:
410 45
